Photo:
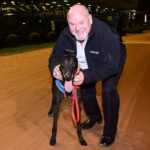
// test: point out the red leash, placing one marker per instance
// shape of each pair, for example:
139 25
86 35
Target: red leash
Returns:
75 104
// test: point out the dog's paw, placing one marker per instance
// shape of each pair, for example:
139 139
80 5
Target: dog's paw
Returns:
52 142
83 142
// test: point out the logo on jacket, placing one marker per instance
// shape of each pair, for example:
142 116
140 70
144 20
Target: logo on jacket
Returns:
94 52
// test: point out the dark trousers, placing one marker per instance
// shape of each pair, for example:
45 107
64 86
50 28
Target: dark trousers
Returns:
110 103
110 99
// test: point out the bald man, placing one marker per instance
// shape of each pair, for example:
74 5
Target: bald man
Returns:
101 57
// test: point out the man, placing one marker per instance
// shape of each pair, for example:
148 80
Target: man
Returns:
101 57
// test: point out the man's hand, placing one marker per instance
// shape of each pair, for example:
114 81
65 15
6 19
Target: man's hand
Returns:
57 73
79 78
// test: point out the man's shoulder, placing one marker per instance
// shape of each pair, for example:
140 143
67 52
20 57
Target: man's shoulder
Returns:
99 22
103 26
65 32
99 28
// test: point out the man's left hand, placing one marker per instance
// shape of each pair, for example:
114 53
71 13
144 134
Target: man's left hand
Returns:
79 78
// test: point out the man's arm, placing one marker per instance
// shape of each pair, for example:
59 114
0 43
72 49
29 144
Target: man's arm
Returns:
109 64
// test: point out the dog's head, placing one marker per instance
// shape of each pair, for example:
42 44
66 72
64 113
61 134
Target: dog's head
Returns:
68 68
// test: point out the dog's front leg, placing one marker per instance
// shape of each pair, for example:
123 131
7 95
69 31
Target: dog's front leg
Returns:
57 101
51 110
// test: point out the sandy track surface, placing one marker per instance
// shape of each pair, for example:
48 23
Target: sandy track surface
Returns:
25 97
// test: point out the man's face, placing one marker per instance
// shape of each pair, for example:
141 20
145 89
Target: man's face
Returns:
80 25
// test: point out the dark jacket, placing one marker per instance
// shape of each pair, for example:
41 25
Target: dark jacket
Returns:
104 51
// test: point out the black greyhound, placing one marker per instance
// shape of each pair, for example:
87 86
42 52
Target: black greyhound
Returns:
68 68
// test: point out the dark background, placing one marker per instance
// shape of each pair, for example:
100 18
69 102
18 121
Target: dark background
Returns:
40 21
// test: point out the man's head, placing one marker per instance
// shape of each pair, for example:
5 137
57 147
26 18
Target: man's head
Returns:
79 21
